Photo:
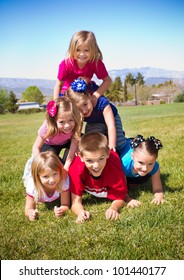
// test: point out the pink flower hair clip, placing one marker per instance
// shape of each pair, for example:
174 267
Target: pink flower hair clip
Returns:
51 108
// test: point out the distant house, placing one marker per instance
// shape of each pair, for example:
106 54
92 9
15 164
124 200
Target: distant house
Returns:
28 105
159 98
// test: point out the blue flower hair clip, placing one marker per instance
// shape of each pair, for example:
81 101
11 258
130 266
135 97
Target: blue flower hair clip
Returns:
79 85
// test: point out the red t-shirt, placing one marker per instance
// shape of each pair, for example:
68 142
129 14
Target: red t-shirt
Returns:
111 184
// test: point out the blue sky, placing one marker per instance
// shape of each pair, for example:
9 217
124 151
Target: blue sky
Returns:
130 33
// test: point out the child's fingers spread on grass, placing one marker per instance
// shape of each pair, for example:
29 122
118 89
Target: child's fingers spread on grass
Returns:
111 214
134 203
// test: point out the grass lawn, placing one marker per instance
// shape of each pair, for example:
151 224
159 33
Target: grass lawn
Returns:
146 233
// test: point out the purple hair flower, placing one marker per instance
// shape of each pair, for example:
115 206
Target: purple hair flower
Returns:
79 85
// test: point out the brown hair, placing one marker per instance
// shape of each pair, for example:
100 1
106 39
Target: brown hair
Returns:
151 144
76 97
93 141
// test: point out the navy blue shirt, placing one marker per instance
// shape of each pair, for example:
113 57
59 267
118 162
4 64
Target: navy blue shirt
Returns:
97 113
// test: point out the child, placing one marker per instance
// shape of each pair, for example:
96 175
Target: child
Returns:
63 123
103 117
139 164
83 58
98 171
45 181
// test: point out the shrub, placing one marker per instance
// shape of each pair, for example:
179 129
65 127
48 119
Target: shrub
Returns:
2 109
30 111
179 98
162 101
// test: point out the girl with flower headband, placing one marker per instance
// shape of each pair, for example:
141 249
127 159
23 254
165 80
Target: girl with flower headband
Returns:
83 59
103 117
45 181
138 159
61 129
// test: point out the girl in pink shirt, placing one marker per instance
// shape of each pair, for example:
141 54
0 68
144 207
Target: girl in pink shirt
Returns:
83 59
61 129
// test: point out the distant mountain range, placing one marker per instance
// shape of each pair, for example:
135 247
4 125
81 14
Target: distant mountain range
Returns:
151 76
18 85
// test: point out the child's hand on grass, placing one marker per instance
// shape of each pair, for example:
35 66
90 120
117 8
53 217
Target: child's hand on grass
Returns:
158 198
32 214
111 214
133 203
84 215
59 211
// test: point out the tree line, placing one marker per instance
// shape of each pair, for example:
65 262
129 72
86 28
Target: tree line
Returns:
133 88
9 101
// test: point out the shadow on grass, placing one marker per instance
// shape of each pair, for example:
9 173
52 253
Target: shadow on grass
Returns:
91 199
147 187
134 192
164 179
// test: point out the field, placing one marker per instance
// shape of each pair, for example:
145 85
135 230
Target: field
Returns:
146 233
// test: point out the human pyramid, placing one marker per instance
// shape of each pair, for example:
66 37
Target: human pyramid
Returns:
98 159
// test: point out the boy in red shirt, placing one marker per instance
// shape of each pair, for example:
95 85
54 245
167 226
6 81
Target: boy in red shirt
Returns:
98 171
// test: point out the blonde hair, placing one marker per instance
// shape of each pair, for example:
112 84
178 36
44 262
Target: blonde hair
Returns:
76 97
63 104
88 38
92 142
44 160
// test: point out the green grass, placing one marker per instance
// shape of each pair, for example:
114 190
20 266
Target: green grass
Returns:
145 233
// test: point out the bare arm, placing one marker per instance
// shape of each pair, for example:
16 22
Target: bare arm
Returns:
111 126
37 146
30 209
113 211
101 90
71 153
65 204
78 209
103 87
157 188
57 88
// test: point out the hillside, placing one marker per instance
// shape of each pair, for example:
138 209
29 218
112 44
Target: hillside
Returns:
151 76
18 85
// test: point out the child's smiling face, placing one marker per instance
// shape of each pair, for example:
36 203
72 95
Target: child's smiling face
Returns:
50 179
95 161
65 123
143 161
82 54
85 106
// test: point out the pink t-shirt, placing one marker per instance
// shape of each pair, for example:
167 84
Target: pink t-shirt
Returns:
59 139
69 71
